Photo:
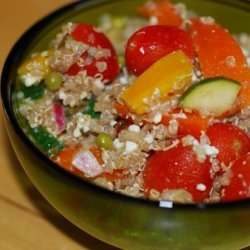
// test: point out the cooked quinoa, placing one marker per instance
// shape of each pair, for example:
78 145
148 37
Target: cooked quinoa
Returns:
81 111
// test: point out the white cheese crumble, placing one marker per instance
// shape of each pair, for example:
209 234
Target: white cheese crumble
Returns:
201 187
98 83
82 124
83 95
202 149
157 92
130 147
157 118
142 50
153 20
207 20
113 123
117 144
66 98
149 138
123 80
134 128
29 80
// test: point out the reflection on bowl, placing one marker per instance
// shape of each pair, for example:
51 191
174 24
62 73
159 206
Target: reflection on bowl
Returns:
122 221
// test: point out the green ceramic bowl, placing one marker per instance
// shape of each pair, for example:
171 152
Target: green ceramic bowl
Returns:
118 220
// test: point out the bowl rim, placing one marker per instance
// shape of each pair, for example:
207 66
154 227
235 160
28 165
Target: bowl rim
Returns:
7 104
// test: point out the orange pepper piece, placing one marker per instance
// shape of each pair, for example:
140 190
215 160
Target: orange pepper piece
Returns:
163 10
97 153
220 55
189 124
65 157
122 110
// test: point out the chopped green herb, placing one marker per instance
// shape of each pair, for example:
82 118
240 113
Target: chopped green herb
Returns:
46 141
90 109
34 92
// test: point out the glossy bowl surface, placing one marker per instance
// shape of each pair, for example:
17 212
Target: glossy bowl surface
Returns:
118 220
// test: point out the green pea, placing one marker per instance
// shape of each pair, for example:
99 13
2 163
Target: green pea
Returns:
104 140
118 22
53 81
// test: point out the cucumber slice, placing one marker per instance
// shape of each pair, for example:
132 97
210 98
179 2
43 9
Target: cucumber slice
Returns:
213 96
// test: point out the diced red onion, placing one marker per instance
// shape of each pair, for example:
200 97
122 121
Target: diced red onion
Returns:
59 117
86 162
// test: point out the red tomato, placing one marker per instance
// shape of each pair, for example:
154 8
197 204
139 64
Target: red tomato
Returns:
89 35
151 43
231 141
178 168
239 186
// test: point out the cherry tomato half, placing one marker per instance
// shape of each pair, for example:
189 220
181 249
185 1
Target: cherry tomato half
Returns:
178 168
151 43
230 140
89 35
239 185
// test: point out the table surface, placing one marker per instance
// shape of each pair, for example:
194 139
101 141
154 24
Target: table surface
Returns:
27 221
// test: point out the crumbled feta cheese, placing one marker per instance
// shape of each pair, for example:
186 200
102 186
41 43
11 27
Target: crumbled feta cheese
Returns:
157 118
210 150
20 95
142 50
188 140
194 77
207 20
202 148
149 138
61 95
130 147
98 83
134 128
153 20
29 80
82 124
248 61
77 133
201 187
157 92
113 123
83 95
123 80
117 144
198 73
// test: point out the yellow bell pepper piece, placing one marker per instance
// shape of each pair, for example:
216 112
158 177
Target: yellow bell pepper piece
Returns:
37 65
40 60
169 75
